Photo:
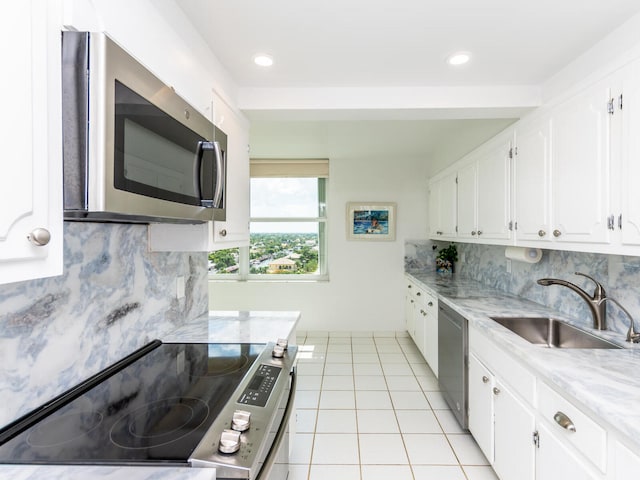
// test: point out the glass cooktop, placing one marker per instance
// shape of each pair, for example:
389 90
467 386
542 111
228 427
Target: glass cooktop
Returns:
154 410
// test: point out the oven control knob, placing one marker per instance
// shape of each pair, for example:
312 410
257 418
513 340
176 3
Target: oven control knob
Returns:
278 352
283 342
229 441
241 420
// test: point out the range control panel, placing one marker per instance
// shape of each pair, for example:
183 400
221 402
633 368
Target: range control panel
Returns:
258 391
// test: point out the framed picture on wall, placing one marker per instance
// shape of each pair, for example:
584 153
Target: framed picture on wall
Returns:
371 221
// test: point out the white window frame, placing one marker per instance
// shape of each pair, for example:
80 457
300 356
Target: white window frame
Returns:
292 168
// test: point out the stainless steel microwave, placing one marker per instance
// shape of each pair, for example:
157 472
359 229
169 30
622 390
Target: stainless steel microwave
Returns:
134 151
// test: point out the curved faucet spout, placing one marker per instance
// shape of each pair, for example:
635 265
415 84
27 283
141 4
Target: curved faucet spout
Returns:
595 302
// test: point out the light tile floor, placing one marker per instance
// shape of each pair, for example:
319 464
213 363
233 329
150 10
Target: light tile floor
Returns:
368 408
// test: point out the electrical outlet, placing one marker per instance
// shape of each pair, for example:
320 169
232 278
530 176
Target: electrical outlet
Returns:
180 287
508 265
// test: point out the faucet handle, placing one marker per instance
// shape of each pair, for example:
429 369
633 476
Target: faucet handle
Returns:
599 292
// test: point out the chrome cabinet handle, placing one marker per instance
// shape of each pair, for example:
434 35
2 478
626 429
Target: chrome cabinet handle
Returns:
473 233
541 233
418 294
479 232
223 232
39 237
496 391
430 304
485 379
564 421
557 233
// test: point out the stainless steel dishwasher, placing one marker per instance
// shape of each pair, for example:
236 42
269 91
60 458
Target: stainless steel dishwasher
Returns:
452 361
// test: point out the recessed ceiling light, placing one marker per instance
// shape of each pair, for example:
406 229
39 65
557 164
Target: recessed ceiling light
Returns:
263 60
459 58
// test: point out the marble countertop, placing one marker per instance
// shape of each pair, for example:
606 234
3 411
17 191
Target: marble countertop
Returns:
236 327
215 327
603 382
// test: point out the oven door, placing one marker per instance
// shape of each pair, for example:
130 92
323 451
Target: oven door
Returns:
276 464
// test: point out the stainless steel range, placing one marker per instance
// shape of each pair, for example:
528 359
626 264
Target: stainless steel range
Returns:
224 406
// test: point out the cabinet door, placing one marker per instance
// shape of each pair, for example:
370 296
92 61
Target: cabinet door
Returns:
420 326
234 231
493 197
629 220
514 424
581 168
431 333
532 181
467 194
481 406
442 207
626 463
409 311
31 136
554 460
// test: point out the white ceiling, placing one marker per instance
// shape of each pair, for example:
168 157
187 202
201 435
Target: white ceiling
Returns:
401 42
364 45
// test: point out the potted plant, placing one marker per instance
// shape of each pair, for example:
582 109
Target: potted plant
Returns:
446 258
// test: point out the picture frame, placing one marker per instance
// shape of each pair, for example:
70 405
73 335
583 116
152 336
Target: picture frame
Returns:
374 221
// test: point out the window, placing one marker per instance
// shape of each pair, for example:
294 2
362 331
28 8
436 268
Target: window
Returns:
287 225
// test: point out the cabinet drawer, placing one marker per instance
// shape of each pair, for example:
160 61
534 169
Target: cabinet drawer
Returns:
503 365
572 425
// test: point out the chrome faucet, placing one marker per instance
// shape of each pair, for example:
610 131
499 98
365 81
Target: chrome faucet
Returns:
632 335
596 303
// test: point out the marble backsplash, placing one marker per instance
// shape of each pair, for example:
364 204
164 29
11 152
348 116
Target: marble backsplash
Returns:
620 276
113 297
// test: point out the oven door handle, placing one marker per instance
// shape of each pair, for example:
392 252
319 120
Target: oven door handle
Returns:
273 452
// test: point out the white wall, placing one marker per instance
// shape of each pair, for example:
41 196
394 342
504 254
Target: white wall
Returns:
365 289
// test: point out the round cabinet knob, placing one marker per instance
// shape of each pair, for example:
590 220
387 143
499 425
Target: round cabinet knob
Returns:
241 420
496 391
541 233
39 237
418 294
473 233
430 304
229 441
479 232
223 232
485 379
557 233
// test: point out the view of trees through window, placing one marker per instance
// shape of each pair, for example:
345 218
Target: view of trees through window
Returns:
286 231
271 253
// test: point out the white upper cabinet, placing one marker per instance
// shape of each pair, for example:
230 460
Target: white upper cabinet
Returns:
442 207
234 231
494 189
467 194
581 167
31 137
627 102
532 181
479 189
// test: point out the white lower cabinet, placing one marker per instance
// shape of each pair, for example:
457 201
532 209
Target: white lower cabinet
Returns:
421 320
556 461
626 463
531 431
502 425
513 442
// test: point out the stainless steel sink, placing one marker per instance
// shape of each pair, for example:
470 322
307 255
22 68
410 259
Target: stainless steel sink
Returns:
552 333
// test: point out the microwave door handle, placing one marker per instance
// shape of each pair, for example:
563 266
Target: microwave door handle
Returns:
197 172
220 175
